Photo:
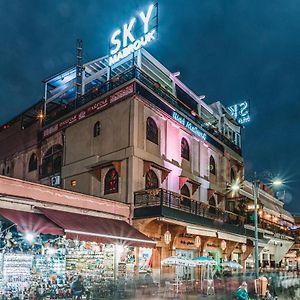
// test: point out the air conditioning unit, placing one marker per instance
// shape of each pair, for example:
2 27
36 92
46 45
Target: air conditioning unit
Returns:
55 180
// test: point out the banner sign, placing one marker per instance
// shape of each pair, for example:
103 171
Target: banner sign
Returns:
240 112
90 110
134 35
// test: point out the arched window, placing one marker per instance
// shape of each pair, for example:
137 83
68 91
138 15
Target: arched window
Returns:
7 170
151 131
3 171
52 161
185 192
212 165
97 128
232 175
185 149
32 163
212 205
111 182
151 180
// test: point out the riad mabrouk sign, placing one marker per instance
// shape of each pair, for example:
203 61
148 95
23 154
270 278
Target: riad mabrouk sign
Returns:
135 34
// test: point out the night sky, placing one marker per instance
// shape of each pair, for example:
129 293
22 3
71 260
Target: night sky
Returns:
228 50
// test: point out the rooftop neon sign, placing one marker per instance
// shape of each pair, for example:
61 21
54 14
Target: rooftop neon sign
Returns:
240 112
193 128
133 35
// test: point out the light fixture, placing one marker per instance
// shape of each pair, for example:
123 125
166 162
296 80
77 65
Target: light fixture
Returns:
73 182
40 116
277 182
167 237
176 74
223 245
235 187
29 237
197 241
244 248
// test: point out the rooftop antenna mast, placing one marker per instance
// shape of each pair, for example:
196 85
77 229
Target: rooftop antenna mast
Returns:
79 69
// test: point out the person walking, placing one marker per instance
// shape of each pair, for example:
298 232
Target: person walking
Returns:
242 292
77 288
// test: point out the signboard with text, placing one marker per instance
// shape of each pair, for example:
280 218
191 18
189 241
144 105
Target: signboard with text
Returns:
90 110
135 34
240 112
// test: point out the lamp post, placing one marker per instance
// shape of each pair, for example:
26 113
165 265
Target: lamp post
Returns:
255 195
235 187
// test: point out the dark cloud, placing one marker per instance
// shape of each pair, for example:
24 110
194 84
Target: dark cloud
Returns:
228 50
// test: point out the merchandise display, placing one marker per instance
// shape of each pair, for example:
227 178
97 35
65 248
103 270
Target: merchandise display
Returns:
46 267
91 263
17 271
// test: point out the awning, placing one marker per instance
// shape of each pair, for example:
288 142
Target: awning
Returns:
232 237
96 229
202 231
269 207
275 209
286 215
31 222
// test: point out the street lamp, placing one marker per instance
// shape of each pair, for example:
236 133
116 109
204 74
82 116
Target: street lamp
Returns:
276 182
234 188
255 195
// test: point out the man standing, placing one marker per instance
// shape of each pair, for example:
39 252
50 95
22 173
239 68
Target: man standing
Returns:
77 288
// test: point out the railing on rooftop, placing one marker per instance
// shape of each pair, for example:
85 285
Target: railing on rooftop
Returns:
126 76
165 198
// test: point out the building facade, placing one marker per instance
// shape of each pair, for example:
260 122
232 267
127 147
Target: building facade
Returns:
138 135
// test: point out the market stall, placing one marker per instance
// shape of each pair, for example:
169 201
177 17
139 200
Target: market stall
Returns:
49 250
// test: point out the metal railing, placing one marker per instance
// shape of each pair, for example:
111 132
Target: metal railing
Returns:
275 228
148 81
165 198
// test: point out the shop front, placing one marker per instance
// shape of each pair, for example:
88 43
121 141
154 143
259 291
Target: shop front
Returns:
51 248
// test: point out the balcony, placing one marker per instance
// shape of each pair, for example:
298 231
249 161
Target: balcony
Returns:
140 76
276 228
163 203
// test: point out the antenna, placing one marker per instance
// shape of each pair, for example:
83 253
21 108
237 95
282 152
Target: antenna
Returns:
79 68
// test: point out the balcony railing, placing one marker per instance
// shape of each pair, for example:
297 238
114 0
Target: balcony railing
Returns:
166 199
275 228
126 76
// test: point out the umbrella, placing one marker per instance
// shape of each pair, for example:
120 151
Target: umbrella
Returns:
178 261
204 261
231 264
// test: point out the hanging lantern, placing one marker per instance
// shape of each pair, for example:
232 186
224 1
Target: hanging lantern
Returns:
223 245
244 248
197 241
167 237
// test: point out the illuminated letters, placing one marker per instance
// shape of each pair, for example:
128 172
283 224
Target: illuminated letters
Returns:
146 18
240 112
127 32
193 128
115 41
124 42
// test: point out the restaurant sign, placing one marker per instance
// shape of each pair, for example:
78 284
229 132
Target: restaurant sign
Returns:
193 128
90 110
240 112
135 34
